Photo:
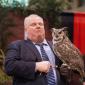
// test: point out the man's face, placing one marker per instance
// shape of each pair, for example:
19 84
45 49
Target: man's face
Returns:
35 29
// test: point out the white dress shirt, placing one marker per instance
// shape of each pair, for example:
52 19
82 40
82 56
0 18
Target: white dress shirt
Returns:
49 53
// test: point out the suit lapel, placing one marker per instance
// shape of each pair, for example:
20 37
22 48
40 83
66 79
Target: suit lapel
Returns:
33 49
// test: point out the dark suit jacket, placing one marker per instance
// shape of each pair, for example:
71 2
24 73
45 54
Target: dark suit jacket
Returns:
20 63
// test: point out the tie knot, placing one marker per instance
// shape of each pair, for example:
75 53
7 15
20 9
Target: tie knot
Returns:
41 44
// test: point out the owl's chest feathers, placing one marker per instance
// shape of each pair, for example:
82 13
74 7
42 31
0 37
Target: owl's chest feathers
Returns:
64 47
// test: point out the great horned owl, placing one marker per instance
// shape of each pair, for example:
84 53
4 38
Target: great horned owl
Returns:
67 52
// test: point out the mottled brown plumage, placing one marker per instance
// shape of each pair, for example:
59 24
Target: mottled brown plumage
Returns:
66 51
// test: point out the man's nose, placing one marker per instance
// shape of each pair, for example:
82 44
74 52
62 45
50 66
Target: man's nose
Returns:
38 26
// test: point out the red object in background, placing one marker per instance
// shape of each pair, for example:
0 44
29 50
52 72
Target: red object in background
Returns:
79 31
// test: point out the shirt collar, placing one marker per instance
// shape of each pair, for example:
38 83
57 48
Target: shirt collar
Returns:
44 42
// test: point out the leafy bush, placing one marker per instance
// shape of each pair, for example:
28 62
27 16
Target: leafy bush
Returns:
4 79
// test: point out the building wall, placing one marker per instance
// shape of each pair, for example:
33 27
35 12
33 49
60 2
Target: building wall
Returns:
18 29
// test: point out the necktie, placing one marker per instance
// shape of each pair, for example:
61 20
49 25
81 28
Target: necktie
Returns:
50 74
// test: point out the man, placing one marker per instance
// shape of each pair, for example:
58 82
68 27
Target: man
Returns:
24 61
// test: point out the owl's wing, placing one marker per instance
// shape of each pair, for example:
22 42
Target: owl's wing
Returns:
58 53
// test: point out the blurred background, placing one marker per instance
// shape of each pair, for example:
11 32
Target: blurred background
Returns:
56 13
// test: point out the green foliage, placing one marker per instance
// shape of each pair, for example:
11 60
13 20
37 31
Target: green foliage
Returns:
49 9
17 8
4 79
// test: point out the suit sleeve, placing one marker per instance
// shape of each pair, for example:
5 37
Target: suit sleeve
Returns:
15 66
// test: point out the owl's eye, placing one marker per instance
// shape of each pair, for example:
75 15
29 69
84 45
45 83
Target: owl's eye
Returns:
54 33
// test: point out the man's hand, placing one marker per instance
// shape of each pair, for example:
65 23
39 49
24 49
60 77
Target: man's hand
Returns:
43 66
83 83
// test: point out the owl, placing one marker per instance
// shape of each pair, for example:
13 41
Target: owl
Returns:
67 52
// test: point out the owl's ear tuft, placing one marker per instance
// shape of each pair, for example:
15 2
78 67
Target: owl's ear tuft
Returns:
53 29
64 28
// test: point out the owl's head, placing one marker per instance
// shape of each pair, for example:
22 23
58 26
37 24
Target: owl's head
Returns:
58 34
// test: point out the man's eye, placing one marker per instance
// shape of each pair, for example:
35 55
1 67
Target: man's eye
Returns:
41 24
33 24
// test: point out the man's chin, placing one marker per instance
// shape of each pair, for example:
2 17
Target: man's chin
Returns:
40 39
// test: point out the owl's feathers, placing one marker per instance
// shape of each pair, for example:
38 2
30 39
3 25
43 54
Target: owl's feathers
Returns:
67 52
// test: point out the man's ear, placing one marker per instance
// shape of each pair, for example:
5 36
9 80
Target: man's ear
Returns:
25 34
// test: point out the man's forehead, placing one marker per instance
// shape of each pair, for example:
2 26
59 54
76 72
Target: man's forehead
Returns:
33 17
